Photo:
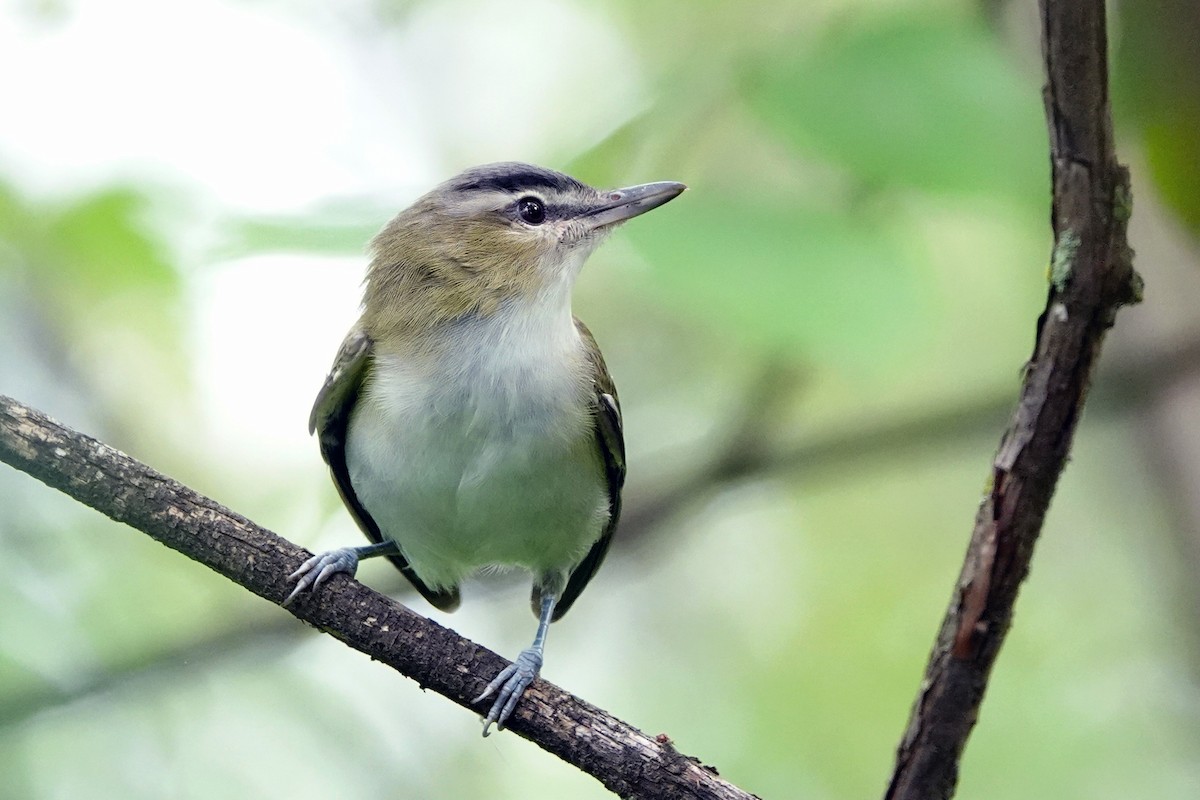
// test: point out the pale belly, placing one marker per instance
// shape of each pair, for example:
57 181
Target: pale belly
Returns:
462 478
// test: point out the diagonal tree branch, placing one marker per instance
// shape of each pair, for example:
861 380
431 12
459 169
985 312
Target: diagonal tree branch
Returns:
1130 386
625 760
1133 385
1091 277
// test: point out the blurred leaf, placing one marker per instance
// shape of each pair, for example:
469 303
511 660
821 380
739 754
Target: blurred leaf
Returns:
86 250
777 275
606 163
1173 155
104 289
314 235
1157 82
931 103
102 243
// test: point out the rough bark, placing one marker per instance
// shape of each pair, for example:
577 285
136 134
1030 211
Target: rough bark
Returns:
1091 276
627 761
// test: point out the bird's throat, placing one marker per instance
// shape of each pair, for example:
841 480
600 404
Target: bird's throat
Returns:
521 367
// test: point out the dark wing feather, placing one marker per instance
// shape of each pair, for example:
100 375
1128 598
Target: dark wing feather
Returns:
610 440
329 420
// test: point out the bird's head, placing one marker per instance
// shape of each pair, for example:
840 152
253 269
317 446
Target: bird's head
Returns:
494 234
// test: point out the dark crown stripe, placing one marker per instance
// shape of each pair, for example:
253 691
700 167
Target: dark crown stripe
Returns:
514 178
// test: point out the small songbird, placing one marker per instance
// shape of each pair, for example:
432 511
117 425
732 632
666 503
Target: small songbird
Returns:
469 419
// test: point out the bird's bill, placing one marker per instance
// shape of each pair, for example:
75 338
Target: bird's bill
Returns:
619 205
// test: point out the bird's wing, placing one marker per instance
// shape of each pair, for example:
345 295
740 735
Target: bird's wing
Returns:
330 419
610 441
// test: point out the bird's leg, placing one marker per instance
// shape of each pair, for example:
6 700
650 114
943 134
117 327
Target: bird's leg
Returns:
320 568
514 679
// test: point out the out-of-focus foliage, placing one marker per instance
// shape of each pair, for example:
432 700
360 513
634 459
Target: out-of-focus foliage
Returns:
908 101
1159 96
867 218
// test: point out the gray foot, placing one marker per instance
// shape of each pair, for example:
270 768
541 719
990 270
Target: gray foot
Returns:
320 568
508 687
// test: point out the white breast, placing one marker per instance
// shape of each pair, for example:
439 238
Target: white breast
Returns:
483 454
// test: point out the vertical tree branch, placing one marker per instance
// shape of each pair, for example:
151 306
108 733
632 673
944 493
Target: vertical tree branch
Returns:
1091 276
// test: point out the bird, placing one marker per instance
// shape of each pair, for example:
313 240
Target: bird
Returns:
469 420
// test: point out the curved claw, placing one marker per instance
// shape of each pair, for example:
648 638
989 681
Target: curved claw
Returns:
508 687
320 568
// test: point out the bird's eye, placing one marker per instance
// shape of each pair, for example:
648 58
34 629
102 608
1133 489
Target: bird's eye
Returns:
531 210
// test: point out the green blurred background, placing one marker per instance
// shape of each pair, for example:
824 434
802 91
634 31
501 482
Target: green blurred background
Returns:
817 348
